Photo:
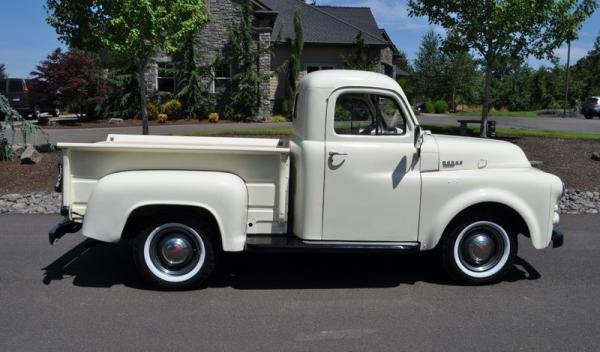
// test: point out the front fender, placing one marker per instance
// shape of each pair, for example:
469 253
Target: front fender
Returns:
445 195
117 195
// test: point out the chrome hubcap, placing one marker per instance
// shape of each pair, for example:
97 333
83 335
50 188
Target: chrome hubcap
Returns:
482 247
176 250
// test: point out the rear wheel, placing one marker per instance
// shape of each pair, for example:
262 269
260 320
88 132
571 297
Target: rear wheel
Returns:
479 251
175 255
588 117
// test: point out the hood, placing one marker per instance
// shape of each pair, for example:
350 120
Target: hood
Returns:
466 153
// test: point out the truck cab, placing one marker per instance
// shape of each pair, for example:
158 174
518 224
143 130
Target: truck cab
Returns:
357 174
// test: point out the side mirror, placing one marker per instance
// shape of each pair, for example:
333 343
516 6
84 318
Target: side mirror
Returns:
418 139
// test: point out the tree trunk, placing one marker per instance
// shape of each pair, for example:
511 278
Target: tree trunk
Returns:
453 98
567 80
143 100
486 100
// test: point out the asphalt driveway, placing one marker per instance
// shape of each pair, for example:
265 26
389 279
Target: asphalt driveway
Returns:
82 295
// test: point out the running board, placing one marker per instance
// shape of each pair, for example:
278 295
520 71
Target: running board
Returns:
279 243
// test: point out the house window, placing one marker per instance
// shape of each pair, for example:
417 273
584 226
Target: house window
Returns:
166 77
313 68
222 78
388 70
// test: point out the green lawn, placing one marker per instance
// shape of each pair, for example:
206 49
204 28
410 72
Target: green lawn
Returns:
439 129
497 113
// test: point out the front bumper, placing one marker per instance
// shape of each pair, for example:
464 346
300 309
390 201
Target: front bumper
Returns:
557 238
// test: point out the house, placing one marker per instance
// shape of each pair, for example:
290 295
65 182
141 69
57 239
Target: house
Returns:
329 35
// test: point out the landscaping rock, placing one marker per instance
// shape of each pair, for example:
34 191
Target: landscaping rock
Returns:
18 149
596 156
30 156
115 121
45 148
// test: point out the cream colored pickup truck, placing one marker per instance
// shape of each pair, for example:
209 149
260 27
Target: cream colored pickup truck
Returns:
358 174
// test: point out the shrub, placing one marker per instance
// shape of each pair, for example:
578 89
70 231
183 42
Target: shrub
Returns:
172 108
278 118
162 118
153 109
441 107
213 117
429 107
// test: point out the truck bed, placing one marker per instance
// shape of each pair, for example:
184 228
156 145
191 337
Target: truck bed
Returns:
263 164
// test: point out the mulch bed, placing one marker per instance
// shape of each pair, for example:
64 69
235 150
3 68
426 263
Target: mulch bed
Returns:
567 158
570 159
17 178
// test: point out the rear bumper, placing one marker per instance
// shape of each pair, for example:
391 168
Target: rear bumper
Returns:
557 238
62 228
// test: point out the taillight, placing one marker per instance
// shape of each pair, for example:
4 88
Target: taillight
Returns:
25 88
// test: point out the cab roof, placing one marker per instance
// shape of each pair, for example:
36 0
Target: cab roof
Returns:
335 79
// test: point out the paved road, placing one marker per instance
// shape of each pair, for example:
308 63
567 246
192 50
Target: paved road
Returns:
81 295
538 123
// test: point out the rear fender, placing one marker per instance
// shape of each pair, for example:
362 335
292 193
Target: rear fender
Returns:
116 196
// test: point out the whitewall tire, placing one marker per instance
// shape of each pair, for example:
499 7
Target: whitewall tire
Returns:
479 251
174 255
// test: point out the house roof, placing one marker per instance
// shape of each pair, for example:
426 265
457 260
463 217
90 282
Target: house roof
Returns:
325 24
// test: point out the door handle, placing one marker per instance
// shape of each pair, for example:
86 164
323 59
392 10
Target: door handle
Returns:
332 154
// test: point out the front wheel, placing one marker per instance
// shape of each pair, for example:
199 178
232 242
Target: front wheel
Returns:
479 251
175 255
588 117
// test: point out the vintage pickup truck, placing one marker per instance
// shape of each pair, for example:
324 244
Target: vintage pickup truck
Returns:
358 174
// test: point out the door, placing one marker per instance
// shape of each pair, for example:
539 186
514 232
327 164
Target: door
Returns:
372 179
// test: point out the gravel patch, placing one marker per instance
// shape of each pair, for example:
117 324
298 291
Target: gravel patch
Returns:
31 203
580 202
574 202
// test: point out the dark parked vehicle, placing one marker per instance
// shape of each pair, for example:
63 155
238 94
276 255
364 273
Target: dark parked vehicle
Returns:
591 107
24 100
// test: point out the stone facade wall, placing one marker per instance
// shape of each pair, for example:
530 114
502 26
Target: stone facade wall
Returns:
387 58
214 35
264 67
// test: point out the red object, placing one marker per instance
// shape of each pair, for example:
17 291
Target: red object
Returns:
25 88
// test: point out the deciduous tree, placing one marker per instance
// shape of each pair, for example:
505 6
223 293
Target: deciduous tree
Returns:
132 30
2 72
506 28
73 79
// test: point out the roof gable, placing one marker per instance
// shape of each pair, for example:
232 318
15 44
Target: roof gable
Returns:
325 24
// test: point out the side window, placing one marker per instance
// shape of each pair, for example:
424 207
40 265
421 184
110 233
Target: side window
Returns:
3 86
352 115
392 119
368 114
